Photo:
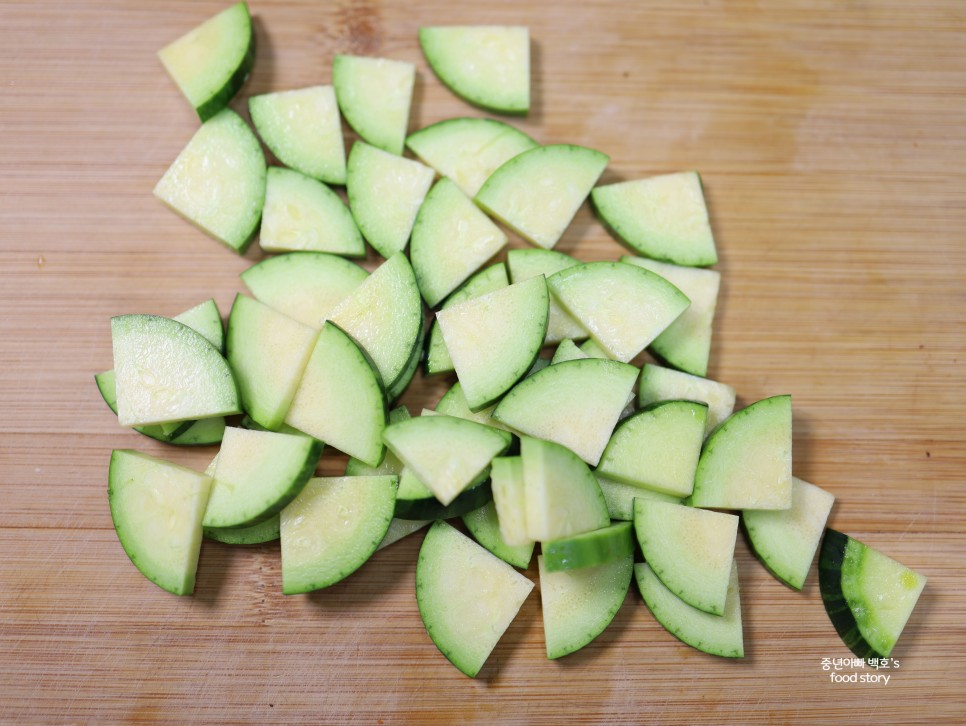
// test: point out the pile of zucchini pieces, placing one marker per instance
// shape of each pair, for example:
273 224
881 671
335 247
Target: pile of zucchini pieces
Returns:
583 453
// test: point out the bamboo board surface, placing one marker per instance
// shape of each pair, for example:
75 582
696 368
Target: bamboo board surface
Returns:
831 137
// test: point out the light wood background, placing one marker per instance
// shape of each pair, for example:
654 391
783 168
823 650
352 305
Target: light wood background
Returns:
832 141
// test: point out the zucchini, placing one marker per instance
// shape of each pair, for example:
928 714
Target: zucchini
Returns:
690 549
561 495
487 65
666 384
453 403
589 549
339 399
302 214
467 597
868 596
620 498
444 452
205 318
494 339
165 371
510 500
747 462
385 192
401 528
484 525
332 528
218 181
268 352
492 278
267 531
663 217
786 540
537 193
686 343
416 501
637 307
657 448
306 286
157 509
578 605
526 263
374 95
211 62
257 474
384 315
719 635
468 150
451 240
575 404
302 128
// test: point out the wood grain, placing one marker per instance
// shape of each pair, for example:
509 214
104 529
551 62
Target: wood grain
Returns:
832 141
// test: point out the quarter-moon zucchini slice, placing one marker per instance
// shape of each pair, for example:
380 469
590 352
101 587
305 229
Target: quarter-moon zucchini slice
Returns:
620 498
589 549
526 263
622 306
663 217
686 343
385 192
561 495
302 128
467 597
384 315
306 286
538 193
257 473
157 509
484 525
510 500
205 319
786 539
339 399
719 635
332 528
495 339
667 384
267 531
400 529
485 281
445 453
487 65
374 95
451 240
690 549
453 403
218 180
302 214
575 404
657 448
747 461
268 352
416 501
578 605
165 371
211 62
868 596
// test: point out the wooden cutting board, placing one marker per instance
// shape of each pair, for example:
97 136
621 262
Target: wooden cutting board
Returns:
832 141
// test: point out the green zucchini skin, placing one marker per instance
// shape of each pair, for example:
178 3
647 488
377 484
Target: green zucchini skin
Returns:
830 559
267 531
430 508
